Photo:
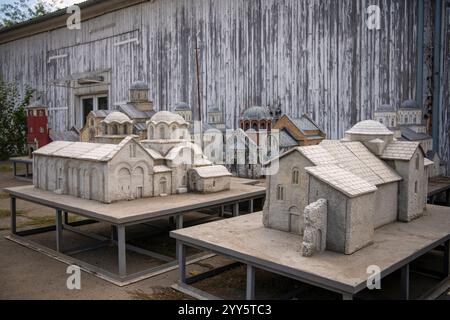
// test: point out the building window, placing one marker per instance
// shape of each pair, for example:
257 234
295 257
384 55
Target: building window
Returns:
162 133
31 129
280 192
91 103
41 129
295 176
132 151
416 186
417 162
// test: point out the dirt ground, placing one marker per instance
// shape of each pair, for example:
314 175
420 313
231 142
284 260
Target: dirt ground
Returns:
27 274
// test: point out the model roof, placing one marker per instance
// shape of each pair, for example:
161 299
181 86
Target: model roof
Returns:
411 135
354 157
139 85
409 104
370 127
256 113
117 117
386 108
400 150
134 113
82 150
212 171
342 180
167 117
286 140
304 123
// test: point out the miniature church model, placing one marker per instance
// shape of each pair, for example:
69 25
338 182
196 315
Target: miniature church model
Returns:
165 163
337 193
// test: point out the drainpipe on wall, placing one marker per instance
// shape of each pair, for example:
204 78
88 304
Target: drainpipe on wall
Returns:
419 73
437 72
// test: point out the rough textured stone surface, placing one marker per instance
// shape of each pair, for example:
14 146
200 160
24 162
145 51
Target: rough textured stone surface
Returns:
315 235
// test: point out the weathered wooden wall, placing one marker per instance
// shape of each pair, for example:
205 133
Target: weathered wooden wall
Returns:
444 142
315 56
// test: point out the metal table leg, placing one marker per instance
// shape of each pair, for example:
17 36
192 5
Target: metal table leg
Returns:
347 297
59 230
122 250
236 209
15 169
181 256
13 215
251 205
404 291
447 258
179 225
250 292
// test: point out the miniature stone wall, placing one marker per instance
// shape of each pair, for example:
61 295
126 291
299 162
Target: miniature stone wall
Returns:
315 234
295 195
350 220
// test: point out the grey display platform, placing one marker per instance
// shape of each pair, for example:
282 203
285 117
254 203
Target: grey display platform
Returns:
245 240
120 215
28 162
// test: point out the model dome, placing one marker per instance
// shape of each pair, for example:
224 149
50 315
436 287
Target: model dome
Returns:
182 106
409 104
167 117
139 85
117 117
256 113
370 127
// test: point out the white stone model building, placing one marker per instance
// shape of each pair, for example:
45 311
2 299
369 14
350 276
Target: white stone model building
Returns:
368 179
164 164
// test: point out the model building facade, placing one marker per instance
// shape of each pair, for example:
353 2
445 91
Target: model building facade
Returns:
368 179
165 163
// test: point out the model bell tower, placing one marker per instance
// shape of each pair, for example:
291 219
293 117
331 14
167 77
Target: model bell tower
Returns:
37 126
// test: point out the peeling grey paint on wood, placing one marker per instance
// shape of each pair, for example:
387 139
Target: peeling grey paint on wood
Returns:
314 56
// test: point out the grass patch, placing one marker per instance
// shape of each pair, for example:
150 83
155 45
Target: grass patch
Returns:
5 168
37 221
5 213
4 195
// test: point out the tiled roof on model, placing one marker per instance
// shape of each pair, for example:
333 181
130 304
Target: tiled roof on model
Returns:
256 113
409 104
117 117
371 127
167 117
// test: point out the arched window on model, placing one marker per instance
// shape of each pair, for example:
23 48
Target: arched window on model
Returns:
152 133
295 176
280 192
417 162
162 132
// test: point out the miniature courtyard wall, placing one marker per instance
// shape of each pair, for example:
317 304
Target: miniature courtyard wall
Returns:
315 234
349 220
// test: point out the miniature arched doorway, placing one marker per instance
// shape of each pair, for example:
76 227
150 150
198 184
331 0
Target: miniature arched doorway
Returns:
295 223
162 186
125 182
138 182
96 185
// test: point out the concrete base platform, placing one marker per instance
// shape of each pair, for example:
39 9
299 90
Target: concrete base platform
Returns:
245 239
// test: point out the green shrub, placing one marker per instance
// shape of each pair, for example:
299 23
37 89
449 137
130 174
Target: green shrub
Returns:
13 119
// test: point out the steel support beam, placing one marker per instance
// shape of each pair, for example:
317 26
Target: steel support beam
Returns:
122 250
236 209
447 258
251 205
250 292
404 286
59 231
181 257
13 208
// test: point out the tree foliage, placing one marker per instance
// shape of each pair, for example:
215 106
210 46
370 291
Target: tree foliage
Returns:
13 119
21 10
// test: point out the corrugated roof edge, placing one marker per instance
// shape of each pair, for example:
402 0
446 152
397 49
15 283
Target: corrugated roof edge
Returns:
109 6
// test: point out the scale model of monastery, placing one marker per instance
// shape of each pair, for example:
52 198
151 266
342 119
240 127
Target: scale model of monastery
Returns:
337 193
165 163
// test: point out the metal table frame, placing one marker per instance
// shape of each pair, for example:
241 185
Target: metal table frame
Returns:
28 176
117 238
348 293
